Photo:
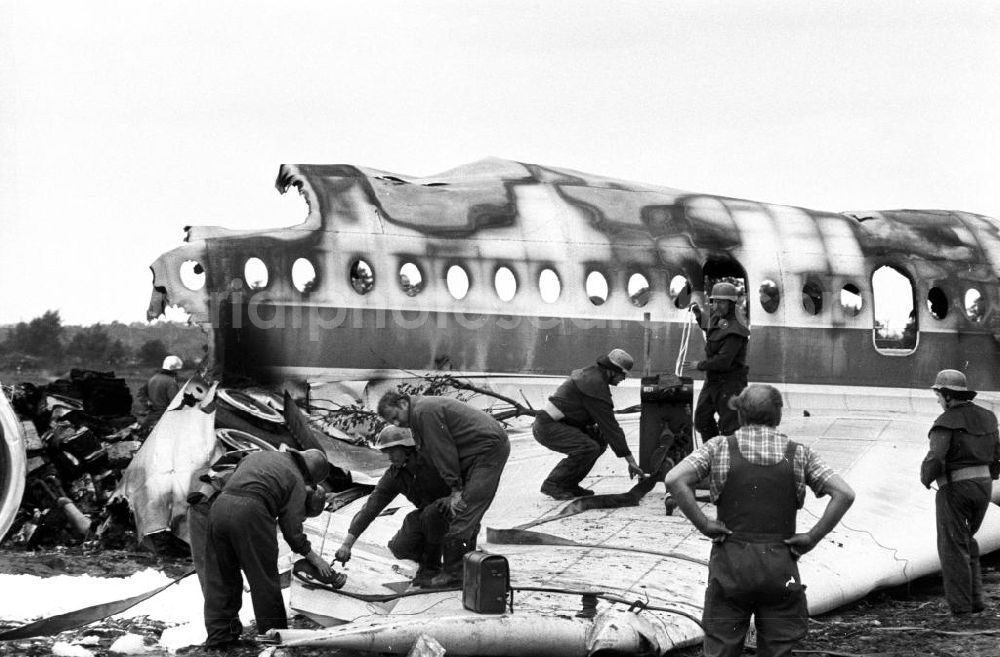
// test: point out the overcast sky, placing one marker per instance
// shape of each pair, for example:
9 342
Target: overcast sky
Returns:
120 123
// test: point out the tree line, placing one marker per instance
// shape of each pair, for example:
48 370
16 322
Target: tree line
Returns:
44 342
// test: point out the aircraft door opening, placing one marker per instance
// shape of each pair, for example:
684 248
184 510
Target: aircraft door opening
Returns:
727 270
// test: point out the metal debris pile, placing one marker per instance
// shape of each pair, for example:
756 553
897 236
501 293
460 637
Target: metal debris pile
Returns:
80 435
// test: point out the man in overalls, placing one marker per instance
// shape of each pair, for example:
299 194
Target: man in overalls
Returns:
757 480
963 459
725 364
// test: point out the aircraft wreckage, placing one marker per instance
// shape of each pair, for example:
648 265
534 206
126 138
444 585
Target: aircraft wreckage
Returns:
510 275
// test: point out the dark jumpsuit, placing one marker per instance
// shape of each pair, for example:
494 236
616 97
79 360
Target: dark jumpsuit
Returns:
424 527
242 536
964 443
585 401
753 571
469 448
725 367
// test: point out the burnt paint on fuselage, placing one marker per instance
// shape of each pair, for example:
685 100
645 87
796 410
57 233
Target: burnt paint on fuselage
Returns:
529 217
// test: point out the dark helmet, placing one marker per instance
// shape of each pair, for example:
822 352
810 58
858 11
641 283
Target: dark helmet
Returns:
724 291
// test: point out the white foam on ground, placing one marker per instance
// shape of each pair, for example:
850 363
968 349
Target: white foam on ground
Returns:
28 598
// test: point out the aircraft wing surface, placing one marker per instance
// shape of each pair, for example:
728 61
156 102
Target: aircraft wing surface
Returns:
646 570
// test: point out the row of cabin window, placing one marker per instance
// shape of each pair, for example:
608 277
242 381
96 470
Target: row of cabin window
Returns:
889 287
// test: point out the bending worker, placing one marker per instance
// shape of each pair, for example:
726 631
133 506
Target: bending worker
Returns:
964 458
757 480
469 448
725 364
419 538
579 421
267 488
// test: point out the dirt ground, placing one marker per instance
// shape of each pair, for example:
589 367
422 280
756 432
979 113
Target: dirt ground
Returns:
910 620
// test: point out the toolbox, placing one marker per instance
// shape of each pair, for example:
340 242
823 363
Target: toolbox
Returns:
485 583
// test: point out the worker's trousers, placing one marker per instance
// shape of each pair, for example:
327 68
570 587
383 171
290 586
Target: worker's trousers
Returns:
480 479
242 535
781 619
960 508
420 528
580 447
714 400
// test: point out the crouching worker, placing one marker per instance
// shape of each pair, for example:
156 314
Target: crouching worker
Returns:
412 475
757 480
267 489
579 421
469 449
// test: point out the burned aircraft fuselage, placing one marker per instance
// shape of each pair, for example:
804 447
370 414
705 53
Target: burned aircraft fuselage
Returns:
503 267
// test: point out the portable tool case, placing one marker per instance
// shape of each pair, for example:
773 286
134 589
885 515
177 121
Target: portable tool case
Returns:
485 583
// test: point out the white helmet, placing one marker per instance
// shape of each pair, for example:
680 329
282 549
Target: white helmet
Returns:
172 363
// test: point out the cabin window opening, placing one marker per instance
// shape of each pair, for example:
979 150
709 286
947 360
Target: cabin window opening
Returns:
894 311
255 273
680 291
597 288
638 289
812 298
937 303
549 286
505 283
362 277
458 282
411 279
303 275
192 275
851 300
770 296
975 305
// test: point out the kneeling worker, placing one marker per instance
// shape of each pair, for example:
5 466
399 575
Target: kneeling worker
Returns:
267 488
469 449
579 421
420 536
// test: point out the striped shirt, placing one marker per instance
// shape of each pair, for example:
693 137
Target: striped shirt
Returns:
760 445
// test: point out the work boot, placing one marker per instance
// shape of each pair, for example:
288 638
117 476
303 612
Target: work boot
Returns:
558 492
451 574
430 565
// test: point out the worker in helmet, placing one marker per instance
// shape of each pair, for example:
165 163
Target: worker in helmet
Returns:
578 420
469 448
157 393
413 475
268 491
725 363
963 459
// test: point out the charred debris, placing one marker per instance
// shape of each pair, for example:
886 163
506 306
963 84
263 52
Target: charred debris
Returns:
81 436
